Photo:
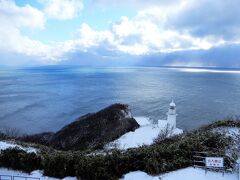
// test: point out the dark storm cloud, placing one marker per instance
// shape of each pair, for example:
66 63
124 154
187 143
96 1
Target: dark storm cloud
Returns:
216 17
227 56
224 56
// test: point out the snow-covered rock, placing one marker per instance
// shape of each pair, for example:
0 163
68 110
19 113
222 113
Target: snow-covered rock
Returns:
182 174
5 145
144 135
35 174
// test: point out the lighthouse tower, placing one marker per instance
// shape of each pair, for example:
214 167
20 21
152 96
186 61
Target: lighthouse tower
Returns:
172 115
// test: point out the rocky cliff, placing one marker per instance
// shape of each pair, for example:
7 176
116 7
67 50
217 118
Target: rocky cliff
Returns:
90 131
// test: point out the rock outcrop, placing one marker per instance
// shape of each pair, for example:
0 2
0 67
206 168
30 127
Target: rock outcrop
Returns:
90 131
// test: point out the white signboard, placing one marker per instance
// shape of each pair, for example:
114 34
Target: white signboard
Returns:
214 162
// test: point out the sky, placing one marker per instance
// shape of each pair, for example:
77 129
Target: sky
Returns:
195 33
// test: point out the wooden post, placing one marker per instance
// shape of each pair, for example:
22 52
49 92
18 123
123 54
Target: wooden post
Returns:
238 171
205 166
238 164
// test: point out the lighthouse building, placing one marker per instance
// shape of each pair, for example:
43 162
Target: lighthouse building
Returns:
171 116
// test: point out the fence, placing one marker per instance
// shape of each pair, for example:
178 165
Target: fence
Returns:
199 160
9 177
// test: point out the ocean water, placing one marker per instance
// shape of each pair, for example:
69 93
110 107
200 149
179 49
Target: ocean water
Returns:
41 99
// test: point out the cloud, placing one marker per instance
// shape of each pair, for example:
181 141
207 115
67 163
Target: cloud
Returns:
226 56
146 33
166 29
218 18
184 25
87 37
14 18
27 16
134 3
62 9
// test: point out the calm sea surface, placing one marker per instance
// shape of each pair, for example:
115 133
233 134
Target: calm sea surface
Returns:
47 98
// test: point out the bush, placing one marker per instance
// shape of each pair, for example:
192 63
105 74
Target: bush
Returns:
163 156
18 159
59 165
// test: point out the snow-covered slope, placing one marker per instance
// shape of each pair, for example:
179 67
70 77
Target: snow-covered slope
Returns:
144 135
234 133
182 174
36 174
5 145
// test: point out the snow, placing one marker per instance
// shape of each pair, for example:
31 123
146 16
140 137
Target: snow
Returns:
182 174
234 133
143 121
230 131
35 174
139 175
5 145
144 135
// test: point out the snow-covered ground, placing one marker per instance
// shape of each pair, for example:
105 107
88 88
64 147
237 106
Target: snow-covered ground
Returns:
5 145
144 135
182 174
36 174
234 133
229 131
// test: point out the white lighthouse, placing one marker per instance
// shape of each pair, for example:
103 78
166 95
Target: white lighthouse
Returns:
172 115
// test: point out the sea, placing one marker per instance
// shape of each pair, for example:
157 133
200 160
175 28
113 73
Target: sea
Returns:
43 99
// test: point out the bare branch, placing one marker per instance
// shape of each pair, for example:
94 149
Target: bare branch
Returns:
164 133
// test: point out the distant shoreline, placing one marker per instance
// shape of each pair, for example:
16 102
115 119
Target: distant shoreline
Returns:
40 67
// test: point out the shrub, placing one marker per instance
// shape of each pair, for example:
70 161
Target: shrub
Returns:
59 165
163 156
18 159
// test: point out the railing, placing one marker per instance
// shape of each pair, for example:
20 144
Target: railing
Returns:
9 177
199 160
5 177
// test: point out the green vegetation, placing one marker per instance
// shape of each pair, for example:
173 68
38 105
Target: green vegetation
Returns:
18 159
228 122
163 156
